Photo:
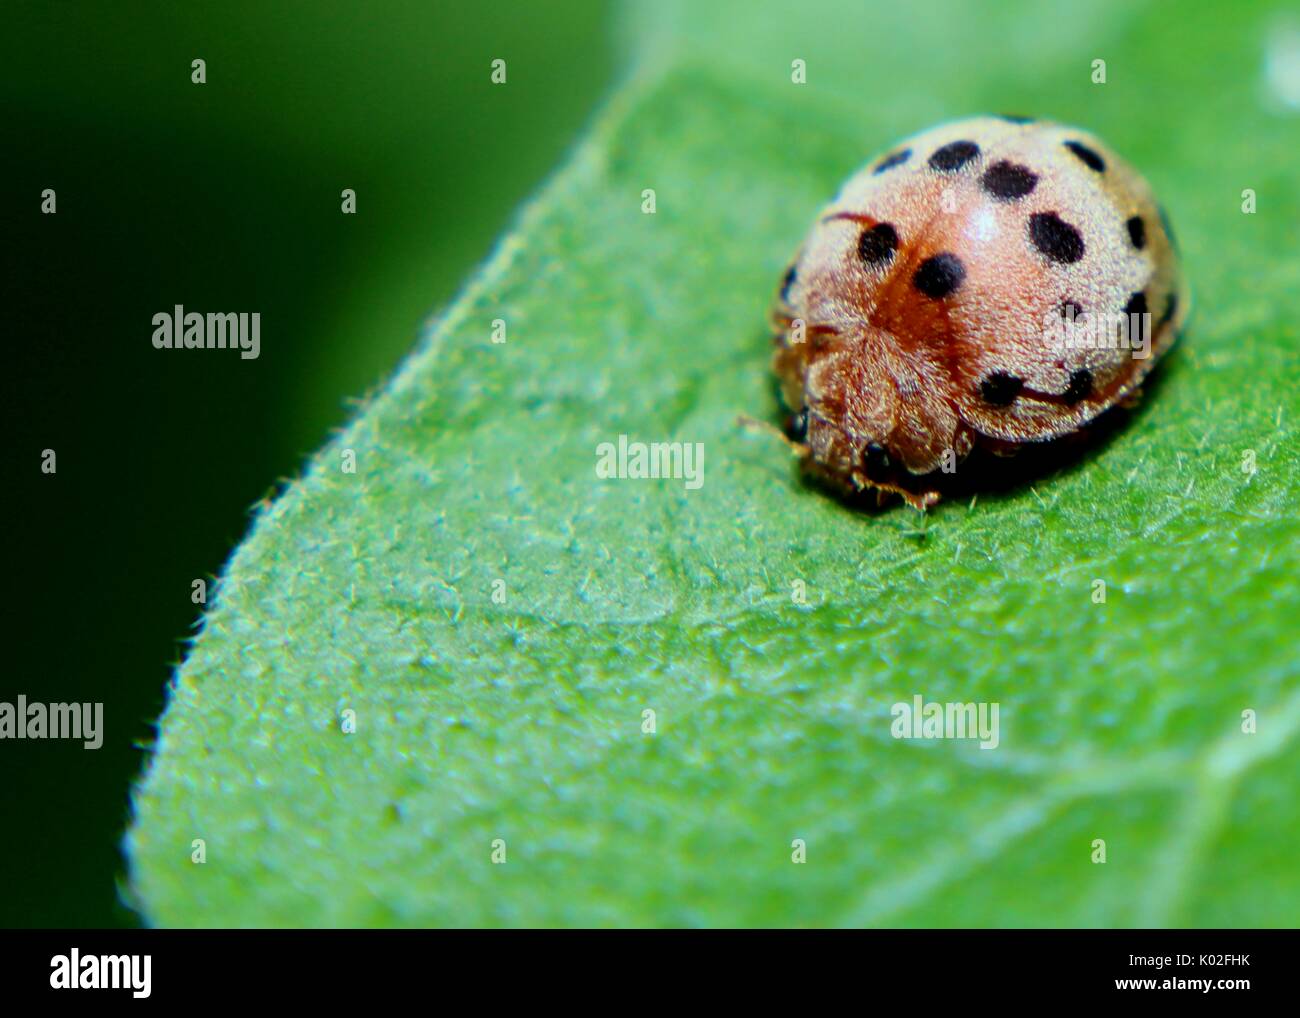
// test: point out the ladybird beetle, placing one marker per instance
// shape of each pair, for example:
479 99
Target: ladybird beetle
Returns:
990 282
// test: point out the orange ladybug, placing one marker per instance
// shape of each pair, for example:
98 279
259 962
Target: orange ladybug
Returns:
993 282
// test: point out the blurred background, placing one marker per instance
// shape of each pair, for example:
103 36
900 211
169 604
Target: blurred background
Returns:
221 197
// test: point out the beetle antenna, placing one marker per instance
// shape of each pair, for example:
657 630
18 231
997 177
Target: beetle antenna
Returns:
767 427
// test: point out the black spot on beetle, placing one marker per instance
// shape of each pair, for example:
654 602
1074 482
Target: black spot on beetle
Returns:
1171 308
939 275
1015 118
1055 238
1009 181
1137 232
1136 329
892 160
1080 386
878 244
1000 388
1071 309
1090 158
953 156
787 282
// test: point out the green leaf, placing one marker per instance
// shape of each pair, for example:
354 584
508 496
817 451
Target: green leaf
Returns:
373 591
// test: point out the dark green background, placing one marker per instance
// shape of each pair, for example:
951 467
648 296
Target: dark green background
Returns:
221 197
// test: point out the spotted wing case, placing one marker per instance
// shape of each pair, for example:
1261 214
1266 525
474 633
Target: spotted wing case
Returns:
923 314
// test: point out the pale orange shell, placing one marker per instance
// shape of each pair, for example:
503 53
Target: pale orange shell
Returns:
923 314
